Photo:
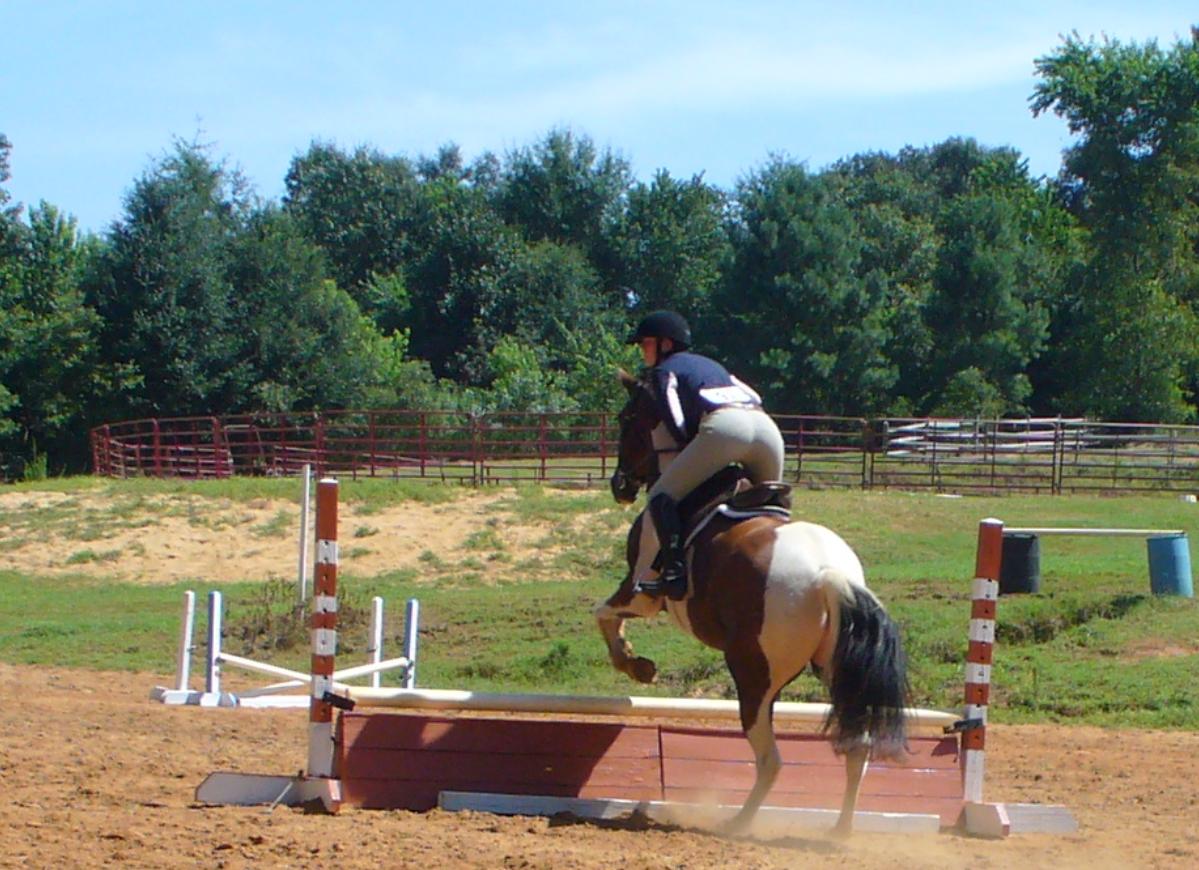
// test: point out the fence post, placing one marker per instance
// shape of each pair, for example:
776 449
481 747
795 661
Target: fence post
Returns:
318 429
476 449
422 439
541 445
994 450
371 438
867 431
218 439
157 448
1058 462
603 444
799 452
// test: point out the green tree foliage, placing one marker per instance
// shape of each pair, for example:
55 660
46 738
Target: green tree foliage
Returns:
957 242
1132 178
304 340
49 368
563 189
793 315
670 244
358 208
10 247
461 253
220 304
988 285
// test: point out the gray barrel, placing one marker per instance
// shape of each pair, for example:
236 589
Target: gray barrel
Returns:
1020 571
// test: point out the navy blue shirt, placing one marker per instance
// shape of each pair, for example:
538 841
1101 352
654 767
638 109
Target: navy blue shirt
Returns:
688 386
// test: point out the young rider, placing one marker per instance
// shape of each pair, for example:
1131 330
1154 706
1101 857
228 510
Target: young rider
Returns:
709 420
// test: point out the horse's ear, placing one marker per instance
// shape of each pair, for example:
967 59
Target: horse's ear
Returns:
629 382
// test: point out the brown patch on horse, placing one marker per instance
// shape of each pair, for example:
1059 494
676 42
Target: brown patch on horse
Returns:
729 569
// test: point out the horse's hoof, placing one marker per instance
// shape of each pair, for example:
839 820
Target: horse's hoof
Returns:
840 831
644 670
737 826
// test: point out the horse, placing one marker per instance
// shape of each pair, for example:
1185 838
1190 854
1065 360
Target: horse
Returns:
774 596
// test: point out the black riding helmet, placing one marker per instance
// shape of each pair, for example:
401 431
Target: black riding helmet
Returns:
663 324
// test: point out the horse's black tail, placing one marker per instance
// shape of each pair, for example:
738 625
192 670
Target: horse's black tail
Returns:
869 684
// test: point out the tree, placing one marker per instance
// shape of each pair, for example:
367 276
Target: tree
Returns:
966 248
983 312
164 291
895 211
461 251
563 189
670 244
1132 178
219 303
306 343
10 246
358 208
49 368
793 315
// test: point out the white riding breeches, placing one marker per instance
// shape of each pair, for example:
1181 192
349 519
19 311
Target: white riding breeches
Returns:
726 435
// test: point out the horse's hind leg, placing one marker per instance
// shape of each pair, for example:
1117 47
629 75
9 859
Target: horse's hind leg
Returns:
855 768
755 695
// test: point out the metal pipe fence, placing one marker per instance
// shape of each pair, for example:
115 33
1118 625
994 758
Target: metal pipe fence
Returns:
1030 455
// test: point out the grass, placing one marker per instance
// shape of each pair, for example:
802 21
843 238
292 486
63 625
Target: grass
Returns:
1094 647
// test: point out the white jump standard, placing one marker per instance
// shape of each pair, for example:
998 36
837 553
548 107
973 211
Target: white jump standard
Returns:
279 694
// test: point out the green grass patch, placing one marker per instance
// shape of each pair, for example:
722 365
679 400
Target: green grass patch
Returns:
281 525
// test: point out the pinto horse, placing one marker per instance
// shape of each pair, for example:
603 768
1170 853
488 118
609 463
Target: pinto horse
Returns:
774 596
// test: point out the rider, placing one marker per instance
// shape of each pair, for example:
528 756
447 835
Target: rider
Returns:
709 420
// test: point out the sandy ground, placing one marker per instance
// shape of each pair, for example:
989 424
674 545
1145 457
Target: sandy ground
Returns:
94 774
176 538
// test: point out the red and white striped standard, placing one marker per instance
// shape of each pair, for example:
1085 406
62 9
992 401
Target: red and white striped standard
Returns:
323 627
979 656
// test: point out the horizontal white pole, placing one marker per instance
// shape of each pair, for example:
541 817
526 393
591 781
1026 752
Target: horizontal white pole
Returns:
1127 533
630 705
298 679
262 668
371 668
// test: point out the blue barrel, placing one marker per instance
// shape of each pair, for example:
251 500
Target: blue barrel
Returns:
1170 565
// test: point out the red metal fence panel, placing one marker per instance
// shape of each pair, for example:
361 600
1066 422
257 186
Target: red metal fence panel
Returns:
1051 455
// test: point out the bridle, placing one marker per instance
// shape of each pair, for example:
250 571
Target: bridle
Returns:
625 482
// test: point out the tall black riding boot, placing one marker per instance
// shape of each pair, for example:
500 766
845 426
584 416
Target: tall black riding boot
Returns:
672 581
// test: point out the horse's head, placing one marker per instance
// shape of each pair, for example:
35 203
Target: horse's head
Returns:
637 465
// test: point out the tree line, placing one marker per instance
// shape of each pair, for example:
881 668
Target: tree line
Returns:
941 280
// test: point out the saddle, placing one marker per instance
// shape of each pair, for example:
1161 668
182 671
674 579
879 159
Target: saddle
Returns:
730 494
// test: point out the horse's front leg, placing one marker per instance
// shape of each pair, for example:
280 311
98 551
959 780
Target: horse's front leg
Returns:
611 615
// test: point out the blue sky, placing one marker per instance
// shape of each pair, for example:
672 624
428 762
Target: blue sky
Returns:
91 93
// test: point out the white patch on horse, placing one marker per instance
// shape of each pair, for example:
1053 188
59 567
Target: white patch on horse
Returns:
806 559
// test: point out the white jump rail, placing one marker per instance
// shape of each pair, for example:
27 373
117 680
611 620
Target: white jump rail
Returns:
626 705
1096 533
